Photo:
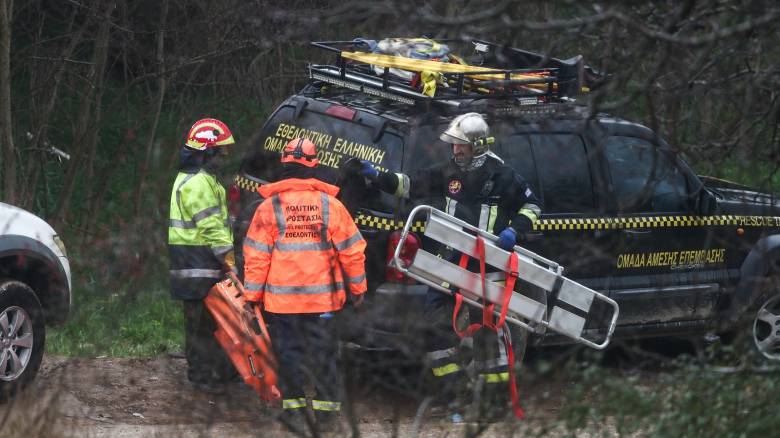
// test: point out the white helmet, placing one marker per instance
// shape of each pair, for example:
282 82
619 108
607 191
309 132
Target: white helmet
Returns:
469 128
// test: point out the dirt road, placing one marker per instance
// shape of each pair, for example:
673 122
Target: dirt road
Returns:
151 397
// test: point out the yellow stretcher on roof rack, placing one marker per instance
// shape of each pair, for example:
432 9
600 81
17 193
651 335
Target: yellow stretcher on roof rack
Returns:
473 72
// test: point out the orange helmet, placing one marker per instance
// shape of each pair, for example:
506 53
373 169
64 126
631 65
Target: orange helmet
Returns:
209 133
301 151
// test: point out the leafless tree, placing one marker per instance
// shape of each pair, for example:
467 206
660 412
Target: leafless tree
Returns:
6 124
116 83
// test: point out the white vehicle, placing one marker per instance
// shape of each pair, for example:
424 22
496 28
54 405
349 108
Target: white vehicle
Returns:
35 283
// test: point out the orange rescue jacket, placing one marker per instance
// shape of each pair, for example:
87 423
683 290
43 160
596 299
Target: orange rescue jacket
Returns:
300 240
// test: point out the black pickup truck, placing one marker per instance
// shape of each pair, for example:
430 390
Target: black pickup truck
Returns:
683 255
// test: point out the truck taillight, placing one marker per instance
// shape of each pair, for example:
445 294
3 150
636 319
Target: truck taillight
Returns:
341 112
234 200
410 248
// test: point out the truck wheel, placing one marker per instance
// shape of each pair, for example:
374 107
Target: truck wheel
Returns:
764 329
22 335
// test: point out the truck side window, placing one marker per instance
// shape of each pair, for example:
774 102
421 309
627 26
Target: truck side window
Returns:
643 178
564 178
516 152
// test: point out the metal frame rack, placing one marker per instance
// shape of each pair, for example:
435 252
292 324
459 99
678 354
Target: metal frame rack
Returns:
359 76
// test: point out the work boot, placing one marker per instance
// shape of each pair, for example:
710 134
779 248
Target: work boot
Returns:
450 395
208 387
491 405
328 422
295 420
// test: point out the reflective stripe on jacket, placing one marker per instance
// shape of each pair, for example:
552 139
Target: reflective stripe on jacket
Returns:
199 235
300 240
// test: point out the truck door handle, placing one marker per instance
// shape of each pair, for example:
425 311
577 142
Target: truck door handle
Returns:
636 233
369 233
531 236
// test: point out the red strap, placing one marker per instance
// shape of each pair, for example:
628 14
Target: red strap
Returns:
487 309
511 277
471 329
487 315
415 80
513 394
487 306
509 286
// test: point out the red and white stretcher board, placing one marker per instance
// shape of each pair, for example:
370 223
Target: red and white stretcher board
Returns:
566 307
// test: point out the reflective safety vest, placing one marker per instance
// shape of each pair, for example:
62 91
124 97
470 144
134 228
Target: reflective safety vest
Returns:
199 234
303 250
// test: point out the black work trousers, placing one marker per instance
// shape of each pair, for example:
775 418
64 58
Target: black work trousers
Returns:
206 361
447 361
306 348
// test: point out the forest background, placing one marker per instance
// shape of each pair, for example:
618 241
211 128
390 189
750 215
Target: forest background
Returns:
114 85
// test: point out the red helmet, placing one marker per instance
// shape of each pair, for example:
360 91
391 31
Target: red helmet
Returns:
301 151
209 133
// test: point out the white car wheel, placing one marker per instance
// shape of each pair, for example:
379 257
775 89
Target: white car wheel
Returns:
22 335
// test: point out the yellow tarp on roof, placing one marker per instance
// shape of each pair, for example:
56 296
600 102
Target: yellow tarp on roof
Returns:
420 65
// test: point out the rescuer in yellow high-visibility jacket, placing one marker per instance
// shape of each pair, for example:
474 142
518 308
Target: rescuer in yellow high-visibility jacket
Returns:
302 255
200 245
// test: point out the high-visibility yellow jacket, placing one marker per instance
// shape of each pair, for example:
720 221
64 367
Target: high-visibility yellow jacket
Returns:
199 234
300 240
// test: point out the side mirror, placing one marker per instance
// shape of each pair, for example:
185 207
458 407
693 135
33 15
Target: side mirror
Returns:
706 203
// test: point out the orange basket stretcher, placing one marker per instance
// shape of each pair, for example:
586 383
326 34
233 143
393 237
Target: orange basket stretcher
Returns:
242 333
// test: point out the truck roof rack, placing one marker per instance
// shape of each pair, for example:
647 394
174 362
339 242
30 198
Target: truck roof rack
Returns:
359 70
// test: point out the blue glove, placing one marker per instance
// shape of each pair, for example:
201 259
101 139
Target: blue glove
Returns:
507 239
368 170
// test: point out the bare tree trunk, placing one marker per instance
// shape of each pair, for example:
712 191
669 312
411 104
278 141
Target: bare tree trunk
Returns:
85 138
42 113
6 134
161 84
101 55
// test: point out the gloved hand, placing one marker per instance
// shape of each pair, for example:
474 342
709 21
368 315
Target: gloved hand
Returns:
230 262
254 300
357 300
249 306
507 239
368 170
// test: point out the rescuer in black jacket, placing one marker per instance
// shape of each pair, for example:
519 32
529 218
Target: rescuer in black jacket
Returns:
480 189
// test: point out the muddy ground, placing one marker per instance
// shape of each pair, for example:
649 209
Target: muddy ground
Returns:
151 397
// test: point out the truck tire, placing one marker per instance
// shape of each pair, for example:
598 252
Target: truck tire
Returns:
763 328
22 337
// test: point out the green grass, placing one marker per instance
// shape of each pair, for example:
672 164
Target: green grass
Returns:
109 324
689 401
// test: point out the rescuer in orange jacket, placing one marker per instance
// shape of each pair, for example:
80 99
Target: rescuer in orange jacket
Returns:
302 254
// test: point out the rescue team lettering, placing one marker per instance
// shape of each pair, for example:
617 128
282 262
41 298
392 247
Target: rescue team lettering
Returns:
309 215
290 132
331 157
759 221
673 259
359 150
